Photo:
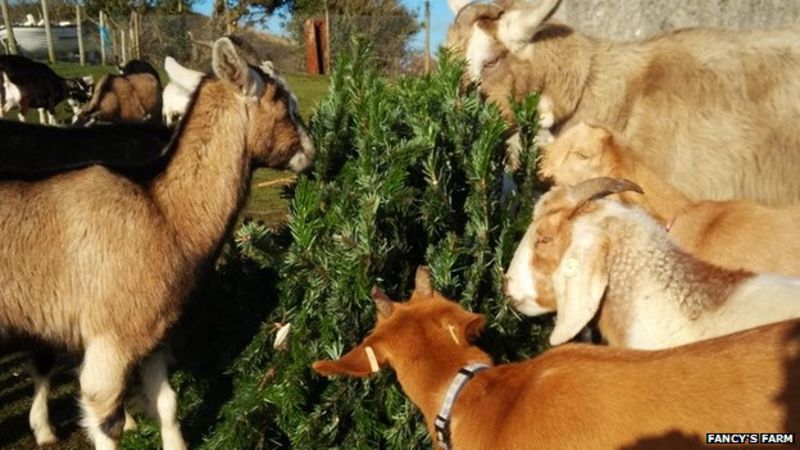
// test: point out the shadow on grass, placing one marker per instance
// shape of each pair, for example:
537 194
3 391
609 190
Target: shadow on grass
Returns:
221 319
15 431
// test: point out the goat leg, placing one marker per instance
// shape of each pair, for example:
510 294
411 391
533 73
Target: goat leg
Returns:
162 400
42 362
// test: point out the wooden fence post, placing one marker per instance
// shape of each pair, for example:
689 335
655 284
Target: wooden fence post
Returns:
123 47
51 53
138 33
12 43
326 36
103 26
112 36
78 20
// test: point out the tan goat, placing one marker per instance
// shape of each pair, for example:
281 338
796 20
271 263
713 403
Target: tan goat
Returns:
589 258
134 97
720 105
101 264
737 234
578 397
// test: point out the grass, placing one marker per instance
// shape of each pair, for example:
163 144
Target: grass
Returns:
266 203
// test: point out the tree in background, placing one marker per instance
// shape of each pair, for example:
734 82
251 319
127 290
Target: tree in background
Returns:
408 172
252 11
123 8
387 23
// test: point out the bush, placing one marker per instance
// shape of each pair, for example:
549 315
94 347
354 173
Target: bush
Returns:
409 171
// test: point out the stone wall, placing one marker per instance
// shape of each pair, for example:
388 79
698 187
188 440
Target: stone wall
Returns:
635 19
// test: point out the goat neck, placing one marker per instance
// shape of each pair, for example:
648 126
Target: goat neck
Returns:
208 177
655 286
426 380
660 199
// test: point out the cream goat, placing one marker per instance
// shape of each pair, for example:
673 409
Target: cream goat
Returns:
586 258
719 104
736 234
101 264
579 397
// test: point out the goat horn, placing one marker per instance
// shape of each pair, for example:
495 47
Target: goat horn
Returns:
596 188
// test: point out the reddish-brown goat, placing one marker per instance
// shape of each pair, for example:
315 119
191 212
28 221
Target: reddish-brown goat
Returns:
736 234
579 396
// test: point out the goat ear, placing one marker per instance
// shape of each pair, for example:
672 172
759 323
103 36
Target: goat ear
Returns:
230 67
517 27
184 77
422 282
362 361
580 282
475 326
383 303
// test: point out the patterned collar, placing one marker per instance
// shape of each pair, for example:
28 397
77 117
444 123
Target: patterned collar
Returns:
442 421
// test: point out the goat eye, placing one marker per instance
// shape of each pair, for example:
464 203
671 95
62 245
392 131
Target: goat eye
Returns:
543 239
581 156
491 63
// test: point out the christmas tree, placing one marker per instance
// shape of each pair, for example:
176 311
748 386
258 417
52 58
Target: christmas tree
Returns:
409 171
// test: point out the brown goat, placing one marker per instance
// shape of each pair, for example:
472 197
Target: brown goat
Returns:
134 97
720 105
102 265
579 396
737 234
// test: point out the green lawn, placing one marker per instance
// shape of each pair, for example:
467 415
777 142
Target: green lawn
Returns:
266 203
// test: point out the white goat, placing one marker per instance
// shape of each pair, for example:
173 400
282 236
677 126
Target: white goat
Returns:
182 83
176 100
586 258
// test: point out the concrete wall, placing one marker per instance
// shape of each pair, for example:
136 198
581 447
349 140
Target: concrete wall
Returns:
635 19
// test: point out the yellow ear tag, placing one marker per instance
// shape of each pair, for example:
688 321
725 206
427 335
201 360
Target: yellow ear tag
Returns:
571 267
373 361
452 330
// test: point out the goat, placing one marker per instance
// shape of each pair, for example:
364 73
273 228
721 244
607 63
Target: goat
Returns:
182 82
109 261
585 257
134 96
30 84
176 99
736 234
32 152
671 96
10 96
612 397
138 66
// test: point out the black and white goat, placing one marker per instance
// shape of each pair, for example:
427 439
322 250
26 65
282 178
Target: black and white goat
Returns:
30 84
